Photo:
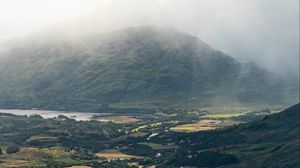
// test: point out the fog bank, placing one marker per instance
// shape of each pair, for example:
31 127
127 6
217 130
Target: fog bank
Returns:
266 32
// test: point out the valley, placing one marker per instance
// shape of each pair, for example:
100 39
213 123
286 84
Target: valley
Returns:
124 141
149 84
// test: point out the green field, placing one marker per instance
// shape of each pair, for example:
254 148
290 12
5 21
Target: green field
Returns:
187 128
218 116
35 157
204 125
42 138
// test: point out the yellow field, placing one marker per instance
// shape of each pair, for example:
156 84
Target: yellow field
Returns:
203 125
146 126
79 167
114 154
42 138
31 157
120 119
216 116
56 152
13 163
186 128
155 124
166 115
226 110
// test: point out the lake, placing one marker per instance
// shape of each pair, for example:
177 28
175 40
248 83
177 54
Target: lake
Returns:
79 116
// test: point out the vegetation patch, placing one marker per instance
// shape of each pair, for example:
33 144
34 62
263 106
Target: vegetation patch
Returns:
33 157
41 138
136 134
155 124
203 125
78 167
156 146
218 116
120 119
13 163
114 155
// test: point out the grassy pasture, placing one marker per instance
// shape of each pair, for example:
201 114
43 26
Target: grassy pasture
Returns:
218 116
32 157
203 125
42 138
15 163
155 124
114 154
156 146
190 128
78 167
120 119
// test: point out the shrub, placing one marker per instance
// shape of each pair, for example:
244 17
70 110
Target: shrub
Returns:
12 149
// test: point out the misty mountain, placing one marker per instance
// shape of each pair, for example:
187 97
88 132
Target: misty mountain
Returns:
126 65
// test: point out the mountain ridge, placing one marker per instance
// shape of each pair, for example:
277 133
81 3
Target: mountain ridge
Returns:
135 63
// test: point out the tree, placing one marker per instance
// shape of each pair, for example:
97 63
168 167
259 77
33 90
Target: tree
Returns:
13 148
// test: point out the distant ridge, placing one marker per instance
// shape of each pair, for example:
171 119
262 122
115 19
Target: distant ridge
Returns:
131 64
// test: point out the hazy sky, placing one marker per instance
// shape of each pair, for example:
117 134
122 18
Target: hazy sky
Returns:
20 17
266 31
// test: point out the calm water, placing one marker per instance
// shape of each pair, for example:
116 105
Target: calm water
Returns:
79 116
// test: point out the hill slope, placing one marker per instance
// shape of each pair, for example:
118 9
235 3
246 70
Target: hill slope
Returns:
271 142
137 63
